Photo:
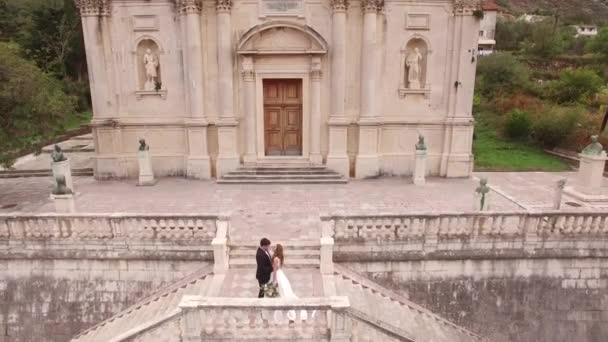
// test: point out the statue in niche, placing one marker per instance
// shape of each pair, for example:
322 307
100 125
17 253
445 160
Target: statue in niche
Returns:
151 65
595 148
413 63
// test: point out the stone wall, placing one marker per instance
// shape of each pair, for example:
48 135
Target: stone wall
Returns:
538 277
53 300
62 273
510 299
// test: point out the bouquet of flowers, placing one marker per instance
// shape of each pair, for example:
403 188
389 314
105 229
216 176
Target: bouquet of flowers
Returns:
270 291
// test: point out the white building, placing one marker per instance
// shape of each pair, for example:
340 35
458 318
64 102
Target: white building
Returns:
585 30
215 85
487 28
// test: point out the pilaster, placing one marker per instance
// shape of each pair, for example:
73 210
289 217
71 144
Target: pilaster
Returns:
315 112
248 75
367 163
228 157
337 158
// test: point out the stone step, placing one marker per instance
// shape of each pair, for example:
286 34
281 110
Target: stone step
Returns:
254 244
289 262
283 176
291 252
282 172
41 173
282 181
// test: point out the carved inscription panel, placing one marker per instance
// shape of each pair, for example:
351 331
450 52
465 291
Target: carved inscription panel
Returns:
281 8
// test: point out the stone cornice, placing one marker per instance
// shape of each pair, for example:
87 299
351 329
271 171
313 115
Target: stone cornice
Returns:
466 7
188 6
339 5
90 8
369 6
223 5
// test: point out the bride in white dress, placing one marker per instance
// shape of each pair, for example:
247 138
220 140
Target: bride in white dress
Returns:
280 280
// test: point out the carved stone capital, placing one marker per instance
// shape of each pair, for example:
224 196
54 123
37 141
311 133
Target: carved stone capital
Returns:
89 8
248 75
339 5
223 5
372 6
184 7
466 7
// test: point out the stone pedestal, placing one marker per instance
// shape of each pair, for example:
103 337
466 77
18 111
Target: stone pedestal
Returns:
228 158
477 203
64 203
337 157
62 168
146 176
590 178
420 167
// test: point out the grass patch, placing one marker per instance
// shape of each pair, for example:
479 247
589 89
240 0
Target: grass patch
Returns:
78 119
493 153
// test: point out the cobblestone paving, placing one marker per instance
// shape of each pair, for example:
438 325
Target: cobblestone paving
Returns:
536 190
285 212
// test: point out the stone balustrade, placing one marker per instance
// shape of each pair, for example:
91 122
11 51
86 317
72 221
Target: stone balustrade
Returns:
114 236
109 226
209 319
394 227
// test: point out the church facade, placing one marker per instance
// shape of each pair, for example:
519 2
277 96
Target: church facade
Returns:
215 85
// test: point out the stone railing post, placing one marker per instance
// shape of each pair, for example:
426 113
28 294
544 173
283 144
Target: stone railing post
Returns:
191 323
341 324
327 255
530 232
220 247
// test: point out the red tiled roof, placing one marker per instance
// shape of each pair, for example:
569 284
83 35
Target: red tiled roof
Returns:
490 5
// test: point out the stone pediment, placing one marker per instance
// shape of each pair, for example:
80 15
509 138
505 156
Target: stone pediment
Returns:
282 38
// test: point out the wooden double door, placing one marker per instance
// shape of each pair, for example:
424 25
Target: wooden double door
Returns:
283 117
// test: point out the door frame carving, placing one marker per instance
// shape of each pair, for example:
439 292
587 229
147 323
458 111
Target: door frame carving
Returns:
260 76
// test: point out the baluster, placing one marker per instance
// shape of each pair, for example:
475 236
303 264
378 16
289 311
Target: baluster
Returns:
401 226
4 228
603 224
415 227
351 230
587 224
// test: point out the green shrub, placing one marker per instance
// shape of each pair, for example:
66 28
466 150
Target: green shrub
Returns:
555 124
33 105
575 85
599 43
518 125
501 72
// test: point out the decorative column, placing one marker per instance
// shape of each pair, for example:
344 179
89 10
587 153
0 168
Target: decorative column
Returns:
249 90
91 12
198 164
315 112
457 157
228 157
368 164
337 157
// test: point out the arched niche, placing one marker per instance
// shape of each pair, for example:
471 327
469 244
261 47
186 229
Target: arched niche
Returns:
279 37
148 62
414 77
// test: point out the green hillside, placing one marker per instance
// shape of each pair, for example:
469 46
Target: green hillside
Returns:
573 11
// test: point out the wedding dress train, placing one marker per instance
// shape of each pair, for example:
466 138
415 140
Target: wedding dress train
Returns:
285 291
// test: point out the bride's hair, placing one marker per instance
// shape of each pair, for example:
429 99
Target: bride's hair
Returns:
278 253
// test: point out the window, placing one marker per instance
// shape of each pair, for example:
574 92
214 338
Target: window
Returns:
481 33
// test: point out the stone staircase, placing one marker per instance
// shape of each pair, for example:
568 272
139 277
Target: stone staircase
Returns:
383 307
348 306
148 313
297 254
298 173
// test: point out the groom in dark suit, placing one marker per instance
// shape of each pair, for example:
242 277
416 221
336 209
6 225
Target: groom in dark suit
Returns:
263 259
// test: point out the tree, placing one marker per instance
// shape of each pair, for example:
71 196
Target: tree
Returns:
547 40
509 34
501 72
599 44
33 105
54 38
577 85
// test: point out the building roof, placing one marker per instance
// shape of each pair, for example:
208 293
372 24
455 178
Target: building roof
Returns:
490 5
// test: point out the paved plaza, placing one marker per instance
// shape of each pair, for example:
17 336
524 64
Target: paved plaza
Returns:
287 212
